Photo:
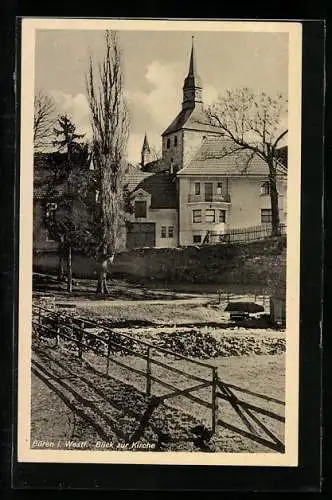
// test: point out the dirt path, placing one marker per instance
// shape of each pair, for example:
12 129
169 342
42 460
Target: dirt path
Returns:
93 406
122 302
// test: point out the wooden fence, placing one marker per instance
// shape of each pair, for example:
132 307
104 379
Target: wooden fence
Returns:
245 235
49 323
59 325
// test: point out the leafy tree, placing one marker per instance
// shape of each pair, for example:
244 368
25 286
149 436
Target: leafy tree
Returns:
110 127
254 125
69 192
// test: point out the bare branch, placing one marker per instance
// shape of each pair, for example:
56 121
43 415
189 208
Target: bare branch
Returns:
44 120
110 130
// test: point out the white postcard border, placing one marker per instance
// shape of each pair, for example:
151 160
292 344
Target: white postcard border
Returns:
24 453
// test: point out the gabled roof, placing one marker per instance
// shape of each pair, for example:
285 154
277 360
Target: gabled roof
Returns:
134 176
155 166
192 119
158 185
221 156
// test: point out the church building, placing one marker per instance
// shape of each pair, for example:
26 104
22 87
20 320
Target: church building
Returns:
194 189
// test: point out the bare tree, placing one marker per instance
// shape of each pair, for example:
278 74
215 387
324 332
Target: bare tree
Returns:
44 120
110 128
254 125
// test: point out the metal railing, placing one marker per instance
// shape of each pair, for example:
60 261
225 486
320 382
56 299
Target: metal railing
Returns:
245 235
214 198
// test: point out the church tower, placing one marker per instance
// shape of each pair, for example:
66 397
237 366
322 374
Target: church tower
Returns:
191 126
192 88
146 153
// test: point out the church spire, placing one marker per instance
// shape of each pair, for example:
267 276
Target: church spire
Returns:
192 88
146 153
146 143
192 64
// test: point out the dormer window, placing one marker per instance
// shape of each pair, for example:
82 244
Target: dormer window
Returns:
140 209
175 141
168 143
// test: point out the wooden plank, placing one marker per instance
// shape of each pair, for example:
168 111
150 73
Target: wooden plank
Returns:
184 392
189 396
261 396
144 420
177 370
131 368
249 406
214 399
264 428
148 374
253 437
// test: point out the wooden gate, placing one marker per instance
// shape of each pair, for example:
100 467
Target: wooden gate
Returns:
141 234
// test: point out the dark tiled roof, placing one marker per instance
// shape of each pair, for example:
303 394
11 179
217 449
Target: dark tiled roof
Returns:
220 156
194 119
134 176
155 166
162 190
158 185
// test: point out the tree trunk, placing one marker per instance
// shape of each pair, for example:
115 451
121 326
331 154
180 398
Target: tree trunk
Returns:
69 270
61 265
102 283
102 288
274 201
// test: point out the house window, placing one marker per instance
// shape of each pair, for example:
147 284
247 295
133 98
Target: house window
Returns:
175 141
219 188
197 238
197 188
163 232
171 231
266 215
208 191
265 188
140 209
222 215
210 216
168 143
197 216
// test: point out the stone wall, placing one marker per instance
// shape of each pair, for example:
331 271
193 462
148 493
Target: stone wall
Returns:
260 263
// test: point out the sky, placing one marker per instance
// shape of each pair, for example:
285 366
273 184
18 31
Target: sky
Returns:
155 64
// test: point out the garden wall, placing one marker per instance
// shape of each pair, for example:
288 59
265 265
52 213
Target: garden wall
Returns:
261 263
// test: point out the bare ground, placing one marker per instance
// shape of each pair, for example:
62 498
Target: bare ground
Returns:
111 408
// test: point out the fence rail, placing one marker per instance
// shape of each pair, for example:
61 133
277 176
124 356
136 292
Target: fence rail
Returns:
52 323
49 323
245 235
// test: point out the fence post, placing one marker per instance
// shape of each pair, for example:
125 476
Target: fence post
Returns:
108 355
80 345
214 399
148 374
57 336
